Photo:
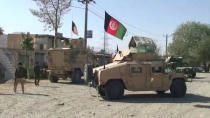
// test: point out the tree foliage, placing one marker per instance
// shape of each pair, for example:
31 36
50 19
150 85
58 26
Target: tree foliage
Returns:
1 31
51 13
27 43
191 41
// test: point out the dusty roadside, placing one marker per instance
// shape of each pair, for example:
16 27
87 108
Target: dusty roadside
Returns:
64 100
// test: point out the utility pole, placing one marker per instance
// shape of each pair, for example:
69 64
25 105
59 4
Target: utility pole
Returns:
86 2
166 45
86 18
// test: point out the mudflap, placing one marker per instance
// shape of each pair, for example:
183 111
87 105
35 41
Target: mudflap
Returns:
88 73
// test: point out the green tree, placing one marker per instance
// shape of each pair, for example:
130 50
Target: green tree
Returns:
190 41
203 53
27 42
27 45
1 31
51 13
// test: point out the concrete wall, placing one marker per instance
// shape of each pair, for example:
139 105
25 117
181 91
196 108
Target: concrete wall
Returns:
45 41
3 41
14 41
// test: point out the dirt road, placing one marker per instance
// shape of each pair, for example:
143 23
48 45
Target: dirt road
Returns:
64 100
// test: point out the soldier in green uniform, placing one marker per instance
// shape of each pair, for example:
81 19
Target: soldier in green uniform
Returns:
20 75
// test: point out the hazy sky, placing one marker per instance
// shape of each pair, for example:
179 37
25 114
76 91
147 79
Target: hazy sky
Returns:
150 18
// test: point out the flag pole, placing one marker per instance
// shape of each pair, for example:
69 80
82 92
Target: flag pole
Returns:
72 18
71 33
71 30
104 48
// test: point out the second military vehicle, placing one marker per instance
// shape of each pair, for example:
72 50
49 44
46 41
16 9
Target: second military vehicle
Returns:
177 64
136 69
64 63
69 62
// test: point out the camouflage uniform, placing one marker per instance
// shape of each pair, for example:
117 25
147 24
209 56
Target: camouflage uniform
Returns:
20 75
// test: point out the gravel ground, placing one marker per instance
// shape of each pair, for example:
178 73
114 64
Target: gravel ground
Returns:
66 100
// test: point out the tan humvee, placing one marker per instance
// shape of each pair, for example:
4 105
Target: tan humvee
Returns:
69 62
66 62
136 71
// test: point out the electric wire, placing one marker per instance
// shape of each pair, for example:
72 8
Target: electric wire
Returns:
128 24
102 18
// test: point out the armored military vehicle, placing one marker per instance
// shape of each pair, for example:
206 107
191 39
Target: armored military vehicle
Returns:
65 62
69 62
136 69
189 72
177 64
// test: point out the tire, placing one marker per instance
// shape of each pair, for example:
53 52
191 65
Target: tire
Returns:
178 88
76 76
114 90
53 79
160 92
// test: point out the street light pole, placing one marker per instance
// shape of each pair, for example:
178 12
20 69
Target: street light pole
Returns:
166 45
86 2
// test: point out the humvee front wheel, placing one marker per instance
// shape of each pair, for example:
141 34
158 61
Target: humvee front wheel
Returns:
114 90
53 79
178 88
76 76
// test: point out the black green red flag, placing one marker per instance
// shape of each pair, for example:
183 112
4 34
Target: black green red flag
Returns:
74 28
114 27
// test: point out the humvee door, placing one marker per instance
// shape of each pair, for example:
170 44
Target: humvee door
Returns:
138 76
157 78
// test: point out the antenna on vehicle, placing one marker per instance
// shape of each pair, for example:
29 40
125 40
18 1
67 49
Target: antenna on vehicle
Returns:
104 49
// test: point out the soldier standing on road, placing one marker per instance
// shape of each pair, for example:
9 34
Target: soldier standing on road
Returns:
20 75
37 74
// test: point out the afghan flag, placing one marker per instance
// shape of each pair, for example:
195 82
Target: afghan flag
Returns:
114 27
74 28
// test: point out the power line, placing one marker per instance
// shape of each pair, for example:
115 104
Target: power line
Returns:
102 18
99 16
128 32
77 7
102 11
128 24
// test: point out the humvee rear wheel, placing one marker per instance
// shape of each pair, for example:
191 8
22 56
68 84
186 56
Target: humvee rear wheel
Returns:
178 88
160 92
114 90
53 79
76 76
